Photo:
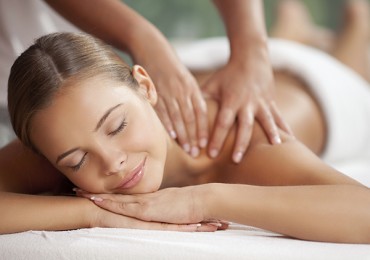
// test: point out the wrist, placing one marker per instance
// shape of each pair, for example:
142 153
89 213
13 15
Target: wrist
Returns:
206 202
250 51
89 214
142 52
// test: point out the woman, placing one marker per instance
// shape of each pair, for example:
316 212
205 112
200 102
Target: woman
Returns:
75 103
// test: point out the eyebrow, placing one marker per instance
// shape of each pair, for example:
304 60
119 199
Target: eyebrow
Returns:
105 116
60 157
98 125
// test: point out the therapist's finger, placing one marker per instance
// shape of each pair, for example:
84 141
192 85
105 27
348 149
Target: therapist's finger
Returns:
178 123
200 108
265 118
243 134
224 121
280 122
188 115
166 121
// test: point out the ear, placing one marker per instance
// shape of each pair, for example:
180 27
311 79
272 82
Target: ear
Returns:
146 85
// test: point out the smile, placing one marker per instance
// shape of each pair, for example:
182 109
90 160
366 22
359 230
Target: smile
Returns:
134 177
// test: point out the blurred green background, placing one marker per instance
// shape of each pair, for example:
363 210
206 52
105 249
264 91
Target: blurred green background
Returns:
189 19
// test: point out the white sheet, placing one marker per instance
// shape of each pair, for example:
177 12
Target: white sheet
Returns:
238 242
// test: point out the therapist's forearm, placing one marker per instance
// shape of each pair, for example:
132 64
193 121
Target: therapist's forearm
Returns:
332 213
245 26
113 22
21 212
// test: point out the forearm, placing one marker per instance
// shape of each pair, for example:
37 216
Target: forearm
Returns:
20 212
113 22
332 213
245 26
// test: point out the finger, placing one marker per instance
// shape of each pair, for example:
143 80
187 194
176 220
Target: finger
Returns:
178 123
267 122
225 225
200 108
224 121
221 225
188 114
188 227
166 121
243 134
279 119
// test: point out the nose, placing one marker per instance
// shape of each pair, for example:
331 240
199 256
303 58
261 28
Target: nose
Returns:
114 161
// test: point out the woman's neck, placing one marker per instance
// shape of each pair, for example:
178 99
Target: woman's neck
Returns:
176 166
181 169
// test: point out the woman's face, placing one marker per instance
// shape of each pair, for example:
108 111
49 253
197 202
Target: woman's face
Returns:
104 136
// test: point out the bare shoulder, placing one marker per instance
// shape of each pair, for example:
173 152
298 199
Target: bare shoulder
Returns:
23 171
288 163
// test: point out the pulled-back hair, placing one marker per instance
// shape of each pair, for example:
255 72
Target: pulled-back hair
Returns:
49 64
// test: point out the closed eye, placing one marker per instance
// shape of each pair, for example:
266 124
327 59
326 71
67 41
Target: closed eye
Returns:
119 128
78 166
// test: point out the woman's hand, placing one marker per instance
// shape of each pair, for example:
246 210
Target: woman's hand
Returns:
172 205
105 218
244 90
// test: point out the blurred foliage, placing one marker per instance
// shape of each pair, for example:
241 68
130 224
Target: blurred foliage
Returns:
189 19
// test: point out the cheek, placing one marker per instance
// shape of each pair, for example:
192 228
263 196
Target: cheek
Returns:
146 132
86 179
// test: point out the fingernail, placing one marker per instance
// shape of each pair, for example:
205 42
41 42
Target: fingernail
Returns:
173 134
277 140
203 143
213 153
194 151
186 147
97 199
238 157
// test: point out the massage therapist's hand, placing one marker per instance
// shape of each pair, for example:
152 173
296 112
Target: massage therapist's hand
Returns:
181 106
244 90
101 217
171 205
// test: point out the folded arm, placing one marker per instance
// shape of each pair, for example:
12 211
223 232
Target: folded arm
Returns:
23 173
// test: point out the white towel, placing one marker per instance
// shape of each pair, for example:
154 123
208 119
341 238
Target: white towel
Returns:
238 242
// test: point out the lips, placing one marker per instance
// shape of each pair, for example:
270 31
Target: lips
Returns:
134 177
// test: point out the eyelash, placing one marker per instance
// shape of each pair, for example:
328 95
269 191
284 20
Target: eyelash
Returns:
79 165
120 128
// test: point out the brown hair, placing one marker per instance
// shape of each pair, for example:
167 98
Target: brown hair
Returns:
46 66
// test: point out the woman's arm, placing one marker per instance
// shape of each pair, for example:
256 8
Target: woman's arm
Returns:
21 212
328 213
